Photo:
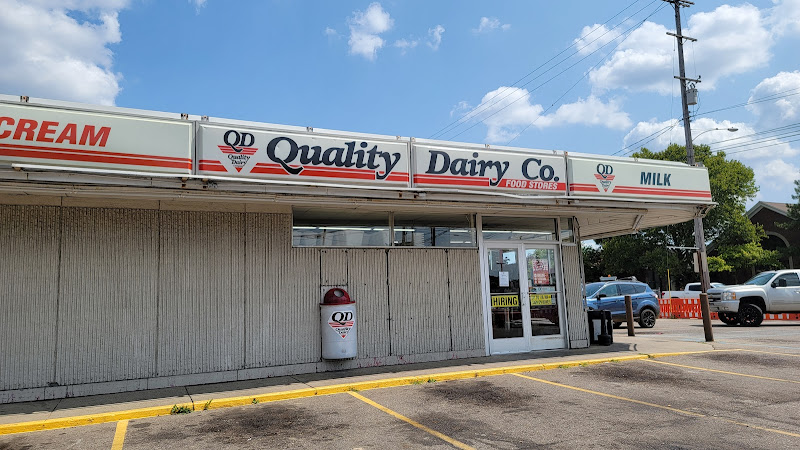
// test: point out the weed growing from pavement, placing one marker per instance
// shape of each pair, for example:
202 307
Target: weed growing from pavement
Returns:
352 389
255 401
416 382
431 380
584 364
206 405
180 410
563 366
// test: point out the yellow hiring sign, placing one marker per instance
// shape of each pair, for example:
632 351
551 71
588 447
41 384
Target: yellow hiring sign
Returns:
541 299
505 300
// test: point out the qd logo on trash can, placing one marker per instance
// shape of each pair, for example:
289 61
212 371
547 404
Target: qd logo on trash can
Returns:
342 322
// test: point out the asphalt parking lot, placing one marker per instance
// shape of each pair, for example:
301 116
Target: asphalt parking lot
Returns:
743 395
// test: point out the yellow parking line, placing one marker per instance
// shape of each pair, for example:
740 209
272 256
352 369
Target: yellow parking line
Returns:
771 353
155 411
725 372
668 408
603 394
441 436
119 435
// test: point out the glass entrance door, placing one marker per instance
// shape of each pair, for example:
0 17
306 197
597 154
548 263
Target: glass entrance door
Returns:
507 306
523 291
544 296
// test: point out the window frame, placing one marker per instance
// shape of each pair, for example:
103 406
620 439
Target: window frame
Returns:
472 224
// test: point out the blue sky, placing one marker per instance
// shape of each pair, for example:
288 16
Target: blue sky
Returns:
581 75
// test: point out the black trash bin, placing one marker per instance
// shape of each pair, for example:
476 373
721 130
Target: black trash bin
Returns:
600 327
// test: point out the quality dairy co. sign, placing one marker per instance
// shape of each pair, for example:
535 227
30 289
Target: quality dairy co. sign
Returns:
241 152
523 172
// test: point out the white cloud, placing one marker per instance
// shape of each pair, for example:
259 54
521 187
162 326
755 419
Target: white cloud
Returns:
731 40
507 111
594 37
461 107
404 45
435 35
330 32
652 135
643 62
198 4
489 24
365 28
591 111
785 17
775 177
47 53
785 108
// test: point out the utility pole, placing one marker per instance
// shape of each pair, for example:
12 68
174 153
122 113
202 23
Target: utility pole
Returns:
699 236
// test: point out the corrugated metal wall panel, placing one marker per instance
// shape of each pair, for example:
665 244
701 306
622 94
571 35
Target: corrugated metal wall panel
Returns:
333 267
283 295
201 292
367 286
29 238
418 301
107 295
576 314
465 299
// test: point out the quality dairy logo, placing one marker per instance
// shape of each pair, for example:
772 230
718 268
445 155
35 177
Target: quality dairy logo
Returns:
605 176
238 148
342 322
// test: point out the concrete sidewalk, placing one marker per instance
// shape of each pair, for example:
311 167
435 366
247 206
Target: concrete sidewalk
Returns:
61 413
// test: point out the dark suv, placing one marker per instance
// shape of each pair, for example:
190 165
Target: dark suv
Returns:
610 295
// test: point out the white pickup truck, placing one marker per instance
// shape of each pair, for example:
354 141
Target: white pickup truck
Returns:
691 290
776 291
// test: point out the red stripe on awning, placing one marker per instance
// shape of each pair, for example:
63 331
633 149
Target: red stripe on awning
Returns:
96 157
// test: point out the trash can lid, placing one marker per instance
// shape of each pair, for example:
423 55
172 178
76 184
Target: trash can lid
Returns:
336 296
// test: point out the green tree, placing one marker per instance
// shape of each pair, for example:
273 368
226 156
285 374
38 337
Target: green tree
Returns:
592 263
736 240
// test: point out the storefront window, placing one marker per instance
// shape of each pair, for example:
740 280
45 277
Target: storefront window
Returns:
427 230
314 227
340 228
518 229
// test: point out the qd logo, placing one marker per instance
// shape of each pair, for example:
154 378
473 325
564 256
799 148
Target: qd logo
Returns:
238 147
342 322
605 176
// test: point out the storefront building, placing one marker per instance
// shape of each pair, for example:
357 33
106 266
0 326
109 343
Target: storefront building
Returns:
144 250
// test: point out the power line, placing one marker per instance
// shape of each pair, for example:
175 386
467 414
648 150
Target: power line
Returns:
759 141
478 110
488 103
772 130
771 97
627 33
776 96
576 82
651 137
763 146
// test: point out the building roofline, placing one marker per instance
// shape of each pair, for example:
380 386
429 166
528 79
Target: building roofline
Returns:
762 205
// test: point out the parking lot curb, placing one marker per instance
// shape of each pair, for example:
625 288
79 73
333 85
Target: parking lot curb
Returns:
140 413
